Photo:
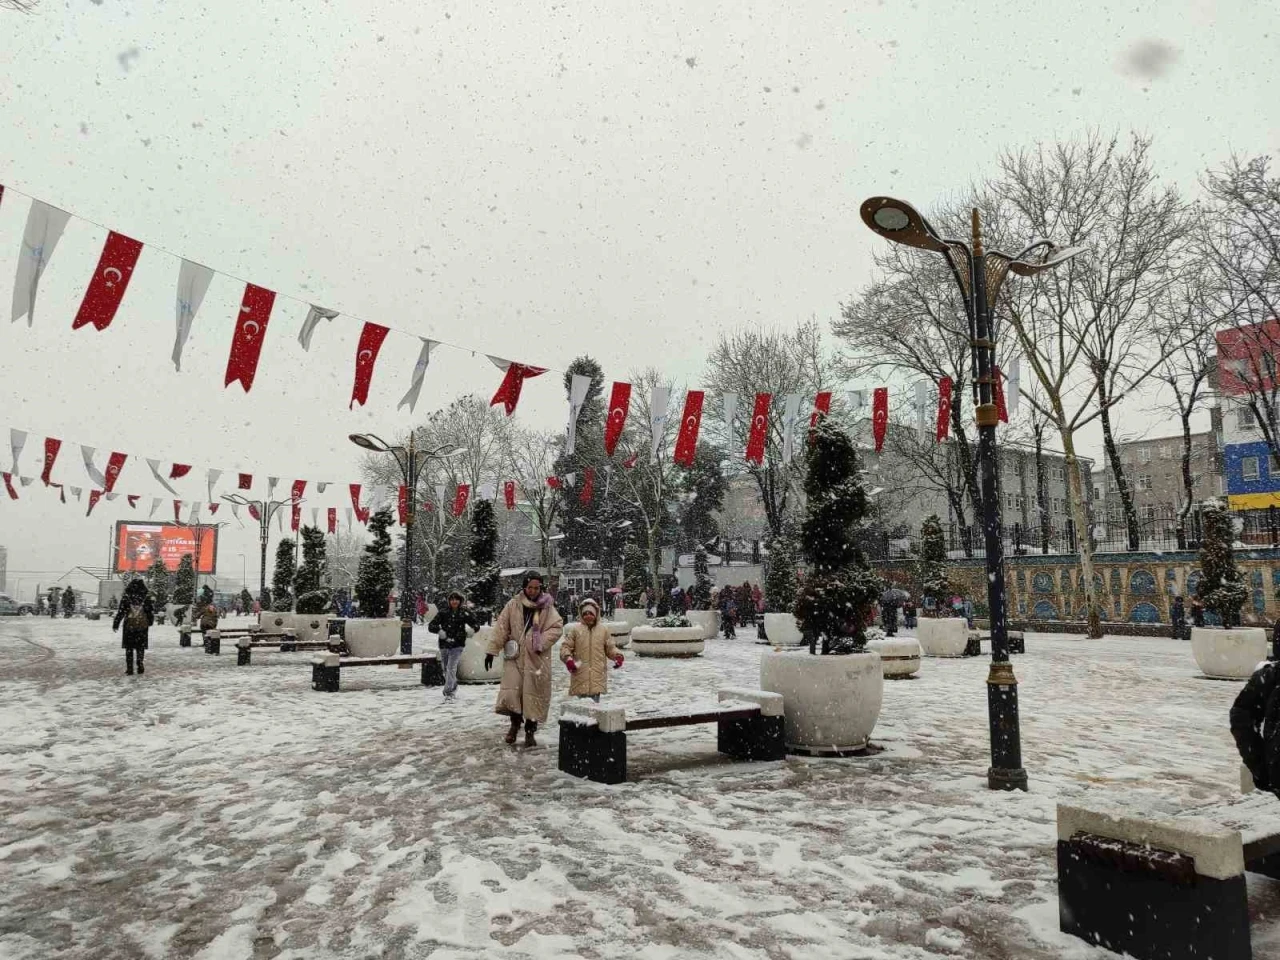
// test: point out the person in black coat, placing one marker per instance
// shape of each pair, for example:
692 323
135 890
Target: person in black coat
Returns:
1255 724
1178 614
450 627
137 616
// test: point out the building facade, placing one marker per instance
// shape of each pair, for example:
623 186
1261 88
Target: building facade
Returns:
1246 383
1153 468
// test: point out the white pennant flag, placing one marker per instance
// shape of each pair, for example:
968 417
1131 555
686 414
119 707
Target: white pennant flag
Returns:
790 411
110 496
155 505
43 230
213 476
857 400
193 283
155 472
1015 385
194 518
922 400
94 473
440 497
410 399
75 492
17 440
235 510
27 481
314 316
486 491
730 401
320 485
315 513
348 519
570 479
578 388
657 418
271 487
280 520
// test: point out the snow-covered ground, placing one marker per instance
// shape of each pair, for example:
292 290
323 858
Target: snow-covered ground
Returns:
219 811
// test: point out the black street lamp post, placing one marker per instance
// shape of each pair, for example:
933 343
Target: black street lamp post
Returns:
265 509
979 274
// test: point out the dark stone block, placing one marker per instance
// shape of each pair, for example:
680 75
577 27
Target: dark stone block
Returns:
1268 866
288 646
184 639
1132 902
586 752
324 679
212 645
1017 642
973 646
752 738
243 655
432 673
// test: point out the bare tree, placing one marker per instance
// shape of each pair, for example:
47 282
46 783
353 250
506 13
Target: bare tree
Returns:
532 455
19 6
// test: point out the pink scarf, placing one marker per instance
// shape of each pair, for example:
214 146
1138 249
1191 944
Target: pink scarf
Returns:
541 604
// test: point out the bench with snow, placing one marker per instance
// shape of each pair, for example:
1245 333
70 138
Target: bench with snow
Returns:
1017 642
1168 887
185 631
325 668
593 738
213 638
287 643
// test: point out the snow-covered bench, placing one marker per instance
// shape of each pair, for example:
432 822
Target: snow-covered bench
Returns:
1169 887
593 738
1017 642
326 668
213 638
288 643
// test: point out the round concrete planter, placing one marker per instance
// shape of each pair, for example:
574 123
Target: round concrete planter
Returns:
667 641
311 626
900 656
708 620
633 616
378 637
943 637
831 704
471 665
272 621
1229 654
620 630
782 631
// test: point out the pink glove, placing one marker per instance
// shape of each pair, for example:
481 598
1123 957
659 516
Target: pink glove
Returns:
571 664
617 662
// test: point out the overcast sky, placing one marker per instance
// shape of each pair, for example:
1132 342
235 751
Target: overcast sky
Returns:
534 181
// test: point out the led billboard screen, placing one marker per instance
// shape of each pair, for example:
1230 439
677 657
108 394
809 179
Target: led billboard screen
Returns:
140 545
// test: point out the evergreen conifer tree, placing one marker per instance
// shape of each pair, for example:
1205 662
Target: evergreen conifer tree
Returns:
931 568
375 578
158 584
264 600
310 583
635 575
702 582
836 596
184 582
780 572
1221 587
484 557
282 577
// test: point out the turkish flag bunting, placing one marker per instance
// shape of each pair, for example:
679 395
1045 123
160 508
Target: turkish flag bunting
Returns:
509 494
509 390
997 387
944 408
179 470
251 330
213 508
404 505
554 483
295 495
94 497
333 519
821 407
362 514
112 472
51 447
588 486
619 405
687 440
177 511
759 428
8 485
371 338
133 501
106 289
879 415
246 481
631 460
253 511
460 498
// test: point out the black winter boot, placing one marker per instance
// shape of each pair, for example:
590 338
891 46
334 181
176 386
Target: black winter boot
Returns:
530 728
128 661
141 669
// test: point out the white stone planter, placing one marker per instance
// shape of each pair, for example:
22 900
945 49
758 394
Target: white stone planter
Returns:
471 666
831 703
311 626
633 616
650 641
1229 654
782 631
708 620
620 630
900 656
272 622
375 637
943 637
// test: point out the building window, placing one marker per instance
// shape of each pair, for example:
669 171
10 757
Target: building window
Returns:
1166 452
1273 465
1097 493
1249 468
1244 418
1142 482
1145 454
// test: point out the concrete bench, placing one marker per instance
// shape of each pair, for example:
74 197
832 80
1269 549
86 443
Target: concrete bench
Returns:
1017 642
185 631
1168 887
245 646
326 668
213 638
593 738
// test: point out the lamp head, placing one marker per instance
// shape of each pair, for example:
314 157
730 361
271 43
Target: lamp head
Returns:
368 442
900 222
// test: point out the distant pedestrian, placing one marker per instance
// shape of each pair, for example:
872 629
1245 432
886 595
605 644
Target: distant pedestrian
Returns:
1255 725
1178 616
450 627
1197 612
422 608
524 633
208 618
137 616
889 611
586 650
728 613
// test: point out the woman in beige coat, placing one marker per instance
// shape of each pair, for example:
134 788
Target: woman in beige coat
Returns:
587 648
524 633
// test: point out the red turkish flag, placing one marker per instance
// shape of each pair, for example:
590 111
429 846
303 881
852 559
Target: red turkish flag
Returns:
460 498
759 428
179 470
213 508
879 415
112 473
997 387
821 407
51 447
333 519
246 481
631 460
588 486
295 495
509 390
404 505
554 483
94 497
687 440
253 511
619 405
371 338
133 501
251 330
362 514
944 408
509 494
8 485
110 280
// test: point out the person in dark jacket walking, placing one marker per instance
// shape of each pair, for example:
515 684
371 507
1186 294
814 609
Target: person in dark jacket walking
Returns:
1197 612
1255 724
1178 615
728 613
137 616
450 626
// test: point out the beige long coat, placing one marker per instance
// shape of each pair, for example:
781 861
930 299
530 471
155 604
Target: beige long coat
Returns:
592 650
526 680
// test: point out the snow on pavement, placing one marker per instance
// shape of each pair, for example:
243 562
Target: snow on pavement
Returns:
214 811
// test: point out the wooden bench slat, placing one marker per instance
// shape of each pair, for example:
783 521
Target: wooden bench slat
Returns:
384 661
689 719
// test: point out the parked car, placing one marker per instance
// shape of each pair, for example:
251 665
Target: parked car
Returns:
12 608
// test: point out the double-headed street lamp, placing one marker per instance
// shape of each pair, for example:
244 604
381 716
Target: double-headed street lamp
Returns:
265 509
979 274
410 462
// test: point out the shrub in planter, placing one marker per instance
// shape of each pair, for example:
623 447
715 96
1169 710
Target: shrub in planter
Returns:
483 589
700 595
931 567
375 578
282 577
1221 587
673 636
309 582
